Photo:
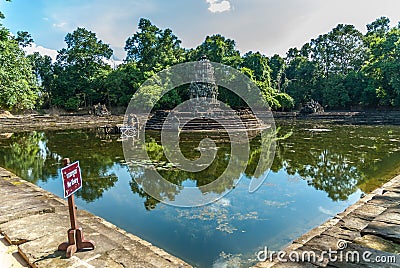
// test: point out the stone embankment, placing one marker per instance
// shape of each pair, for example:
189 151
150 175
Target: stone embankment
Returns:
49 122
20 123
37 221
366 234
353 118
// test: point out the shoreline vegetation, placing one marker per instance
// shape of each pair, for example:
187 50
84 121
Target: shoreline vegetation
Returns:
342 69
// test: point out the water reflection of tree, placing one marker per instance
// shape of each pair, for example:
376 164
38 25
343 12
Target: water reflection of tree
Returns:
264 142
37 157
172 173
25 154
96 157
188 145
93 188
332 174
150 202
338 161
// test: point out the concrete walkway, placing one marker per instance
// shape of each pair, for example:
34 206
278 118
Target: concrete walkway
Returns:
369 229
9 256
36 222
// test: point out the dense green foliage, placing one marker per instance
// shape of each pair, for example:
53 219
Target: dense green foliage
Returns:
80 71
152 48
18 89
342 69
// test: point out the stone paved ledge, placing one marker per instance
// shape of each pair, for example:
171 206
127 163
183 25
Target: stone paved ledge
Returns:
37 222
372 224
25 123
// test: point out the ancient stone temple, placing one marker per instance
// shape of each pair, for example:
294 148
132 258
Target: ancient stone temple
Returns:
203 112
205 85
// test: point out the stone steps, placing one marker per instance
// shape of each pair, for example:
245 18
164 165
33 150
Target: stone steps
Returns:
220 122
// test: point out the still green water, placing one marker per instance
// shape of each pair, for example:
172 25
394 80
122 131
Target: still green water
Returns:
318 171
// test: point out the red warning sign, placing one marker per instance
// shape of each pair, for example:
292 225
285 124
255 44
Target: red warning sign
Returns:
72 179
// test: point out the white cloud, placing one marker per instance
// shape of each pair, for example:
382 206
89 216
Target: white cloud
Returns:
268 26
113 63
218 6
326 211
59 25
42 50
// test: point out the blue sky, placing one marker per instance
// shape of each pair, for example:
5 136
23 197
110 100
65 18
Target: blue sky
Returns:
268 26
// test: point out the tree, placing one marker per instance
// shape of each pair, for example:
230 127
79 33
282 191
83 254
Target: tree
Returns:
339 51
43 69
333 56
219 49
278 68
334 93
152 48
85 49
275 99
383 65
123 82
301 78
18 87
77 69
380 27
359 90
24 39
259 64
141 46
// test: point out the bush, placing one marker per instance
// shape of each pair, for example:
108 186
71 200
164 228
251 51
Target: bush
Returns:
72 104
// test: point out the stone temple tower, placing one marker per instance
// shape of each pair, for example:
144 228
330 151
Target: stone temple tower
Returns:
205 85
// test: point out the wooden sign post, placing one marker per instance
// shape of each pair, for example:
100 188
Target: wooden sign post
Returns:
72 182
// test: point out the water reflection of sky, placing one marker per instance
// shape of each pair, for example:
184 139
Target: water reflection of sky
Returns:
232 229
315 176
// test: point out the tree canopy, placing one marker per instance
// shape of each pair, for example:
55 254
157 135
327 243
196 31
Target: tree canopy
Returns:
152 48
79 71
341 69
345 69
18 86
